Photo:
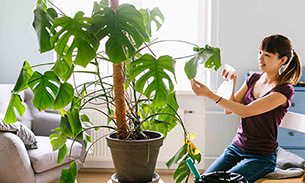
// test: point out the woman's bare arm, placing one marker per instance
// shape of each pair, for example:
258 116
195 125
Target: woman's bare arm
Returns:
256 107
238 97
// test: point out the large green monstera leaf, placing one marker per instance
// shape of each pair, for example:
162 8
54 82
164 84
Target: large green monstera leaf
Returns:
64 96
15 102
43 21
40 85
23 78
123 26
63 69
83 42
98 6
156 72
209 56
152 16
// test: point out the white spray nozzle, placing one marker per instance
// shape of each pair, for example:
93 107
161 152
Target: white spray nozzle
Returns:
230 70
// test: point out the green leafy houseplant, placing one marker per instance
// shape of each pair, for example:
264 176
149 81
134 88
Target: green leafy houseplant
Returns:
146 77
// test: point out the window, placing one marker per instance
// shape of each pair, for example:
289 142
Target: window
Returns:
184 20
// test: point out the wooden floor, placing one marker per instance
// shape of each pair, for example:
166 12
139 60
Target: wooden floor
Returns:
103 175
291 180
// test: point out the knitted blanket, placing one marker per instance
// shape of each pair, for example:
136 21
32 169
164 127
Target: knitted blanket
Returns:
288 165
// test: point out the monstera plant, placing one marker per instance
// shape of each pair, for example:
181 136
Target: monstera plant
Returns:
142 96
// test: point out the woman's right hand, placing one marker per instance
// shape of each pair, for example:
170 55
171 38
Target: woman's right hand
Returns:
225 75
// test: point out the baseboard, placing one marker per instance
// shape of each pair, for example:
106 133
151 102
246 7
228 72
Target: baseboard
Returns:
112 170
98 170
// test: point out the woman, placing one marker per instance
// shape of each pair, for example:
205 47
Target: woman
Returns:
261 102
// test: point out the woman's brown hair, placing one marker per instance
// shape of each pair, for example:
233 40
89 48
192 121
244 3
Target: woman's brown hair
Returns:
281 45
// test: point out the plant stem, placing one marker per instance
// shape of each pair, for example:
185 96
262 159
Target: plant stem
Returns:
100 112
135 99
87 72
149 49
99 76
178 119
185 56
38 65
169 40
101 126
95 97
57 8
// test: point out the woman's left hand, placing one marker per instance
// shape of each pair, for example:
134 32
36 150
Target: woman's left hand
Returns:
199 88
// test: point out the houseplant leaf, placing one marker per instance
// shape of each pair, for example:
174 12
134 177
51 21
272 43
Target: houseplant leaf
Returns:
23 78
115 24
58 139
213 60
42 3
74 121
180 169
152 16
83 42
76 103
184 174
64 96
61 154
179 154
15 102
156 71
171 107
210 56
100 6
40 85
69 175
42 24
164 122
191 67
63 69
159 126
65 126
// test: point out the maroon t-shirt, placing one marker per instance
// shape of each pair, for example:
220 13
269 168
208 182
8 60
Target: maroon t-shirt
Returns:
258 134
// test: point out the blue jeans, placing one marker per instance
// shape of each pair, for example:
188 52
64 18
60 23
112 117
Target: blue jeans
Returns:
252 166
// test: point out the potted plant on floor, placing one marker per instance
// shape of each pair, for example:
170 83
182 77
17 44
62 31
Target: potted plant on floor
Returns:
140 103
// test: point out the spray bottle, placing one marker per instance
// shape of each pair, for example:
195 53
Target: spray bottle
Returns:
226 88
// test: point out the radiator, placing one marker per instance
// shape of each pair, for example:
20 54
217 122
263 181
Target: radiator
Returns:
100 150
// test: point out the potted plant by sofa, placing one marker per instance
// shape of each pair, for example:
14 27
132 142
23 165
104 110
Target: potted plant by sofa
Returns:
140 103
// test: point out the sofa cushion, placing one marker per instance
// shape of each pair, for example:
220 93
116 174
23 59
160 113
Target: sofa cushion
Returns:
44 158
23 132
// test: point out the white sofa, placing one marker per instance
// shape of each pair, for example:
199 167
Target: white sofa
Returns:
19 165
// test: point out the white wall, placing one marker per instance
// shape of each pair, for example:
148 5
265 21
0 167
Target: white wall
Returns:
18 41
239 26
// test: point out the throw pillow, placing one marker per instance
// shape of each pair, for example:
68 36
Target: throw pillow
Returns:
23 132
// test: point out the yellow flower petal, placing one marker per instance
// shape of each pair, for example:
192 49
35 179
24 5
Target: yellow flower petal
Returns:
192 136
191 148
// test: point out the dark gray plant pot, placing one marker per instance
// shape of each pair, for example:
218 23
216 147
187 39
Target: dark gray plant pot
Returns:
135 160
